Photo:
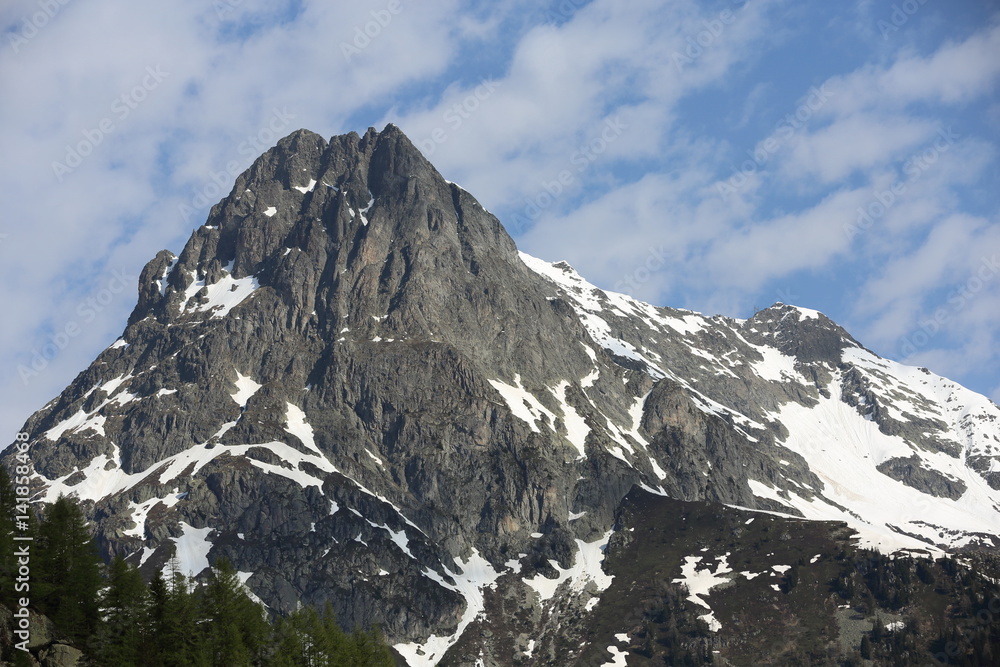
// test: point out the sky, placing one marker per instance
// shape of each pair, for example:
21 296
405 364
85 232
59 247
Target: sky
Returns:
718 156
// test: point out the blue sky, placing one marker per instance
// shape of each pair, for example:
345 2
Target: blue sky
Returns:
719 156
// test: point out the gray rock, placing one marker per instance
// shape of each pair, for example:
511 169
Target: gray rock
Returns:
392 312
909 471
60 655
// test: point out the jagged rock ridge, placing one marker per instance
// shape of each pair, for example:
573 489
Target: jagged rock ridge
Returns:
352 385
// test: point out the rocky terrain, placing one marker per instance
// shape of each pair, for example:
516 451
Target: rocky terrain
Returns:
353 386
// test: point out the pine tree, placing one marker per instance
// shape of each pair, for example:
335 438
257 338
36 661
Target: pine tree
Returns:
300 639
178 635
866 647
69 575
307 638
119 640
156 621
369 650
238 632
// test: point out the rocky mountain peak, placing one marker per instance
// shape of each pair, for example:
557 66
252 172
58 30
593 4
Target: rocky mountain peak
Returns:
353 386
345 232
808 335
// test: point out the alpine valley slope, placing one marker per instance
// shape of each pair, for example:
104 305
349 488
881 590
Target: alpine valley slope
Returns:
352 385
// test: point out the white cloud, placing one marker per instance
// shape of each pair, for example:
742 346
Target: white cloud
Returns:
609 60
955 73
856 143
556 86
121 204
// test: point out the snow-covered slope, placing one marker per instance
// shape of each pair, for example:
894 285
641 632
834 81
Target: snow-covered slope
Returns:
396 412
907 458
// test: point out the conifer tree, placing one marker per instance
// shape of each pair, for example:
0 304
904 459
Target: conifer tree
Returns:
69 575
299 640
176 625
369 650
156 621
238 632
866 647
307 638
119 640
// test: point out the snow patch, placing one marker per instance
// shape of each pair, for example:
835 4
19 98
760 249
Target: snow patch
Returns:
776 366
576 427
476 575
140 511
700 582
220 297
843 450
361 213
246 387
618 657
522 403
297 425
192 549
306 188
162 282
586 568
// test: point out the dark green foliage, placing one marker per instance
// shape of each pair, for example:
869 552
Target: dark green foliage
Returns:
121 621
8 562
368 648
22 659
238 633
68 572
173 636
972 645
308 639
123 602
672 634
925 571
866 648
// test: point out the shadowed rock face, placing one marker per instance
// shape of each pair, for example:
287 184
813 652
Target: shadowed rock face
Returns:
355 381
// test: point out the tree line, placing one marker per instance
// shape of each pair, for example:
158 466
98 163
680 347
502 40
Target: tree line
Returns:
120 620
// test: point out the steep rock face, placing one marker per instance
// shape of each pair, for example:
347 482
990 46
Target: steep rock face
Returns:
352 385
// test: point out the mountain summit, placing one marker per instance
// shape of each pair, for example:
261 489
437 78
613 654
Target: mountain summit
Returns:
353 386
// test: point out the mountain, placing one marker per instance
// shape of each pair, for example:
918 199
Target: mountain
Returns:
353 386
